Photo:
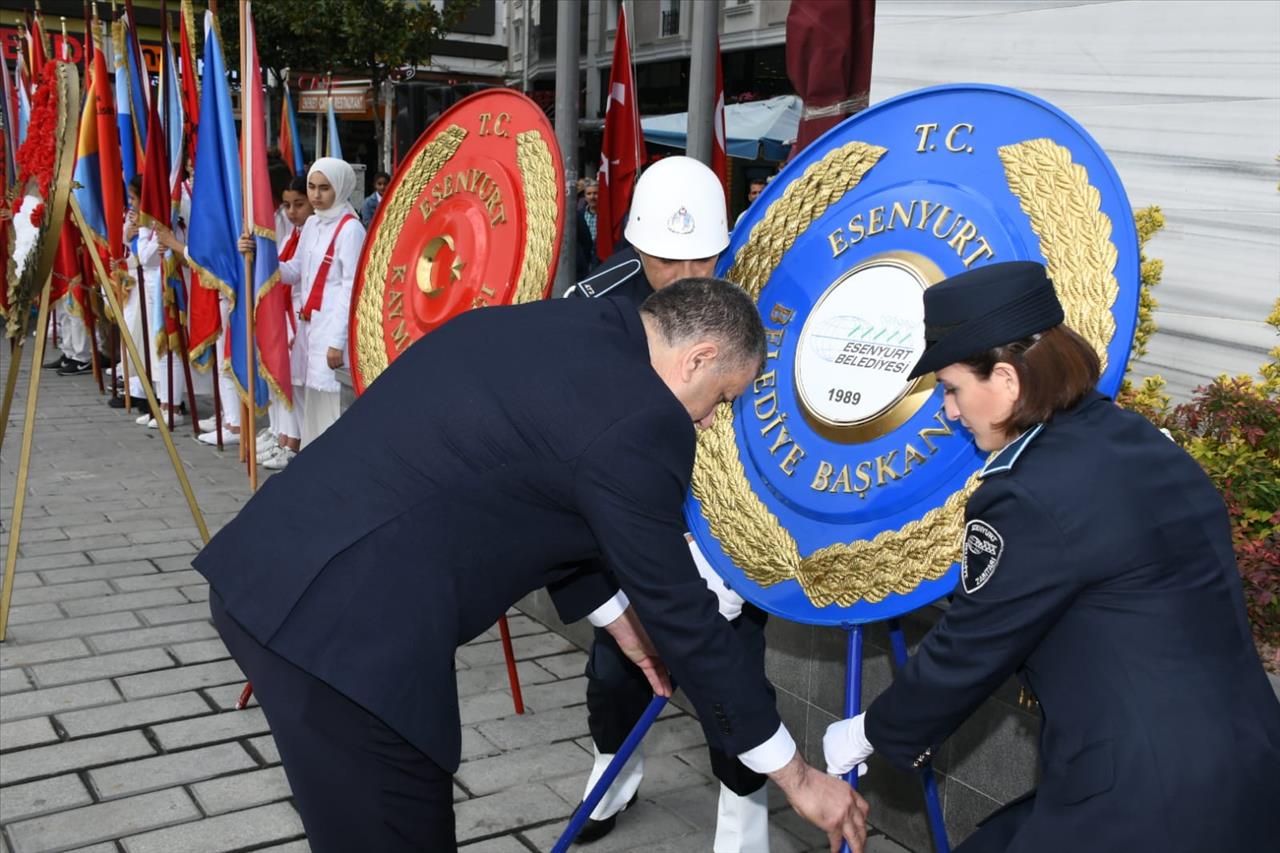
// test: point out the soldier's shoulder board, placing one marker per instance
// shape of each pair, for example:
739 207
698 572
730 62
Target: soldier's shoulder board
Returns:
1008 457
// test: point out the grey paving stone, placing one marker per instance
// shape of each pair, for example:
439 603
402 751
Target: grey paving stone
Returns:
101 666
139 552
53 561
241 790
91 571
54 699
482 679
556 694
201 651
536 727
22 614
26 580
531 764
13 681
225 726
526 648
645 826
23 733
167 534
176 632
123 601
125 715
564 666
525 805
47 795
62 591
196 592
265 746
485 706
176 768
180 563
226 696
47 534
103 822
233 831
82 544
12 655
157 580
501 844
176 613
122 526
72 755
78 627
68 520
299 846
476 745
179 679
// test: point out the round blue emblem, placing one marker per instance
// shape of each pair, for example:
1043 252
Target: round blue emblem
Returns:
833 491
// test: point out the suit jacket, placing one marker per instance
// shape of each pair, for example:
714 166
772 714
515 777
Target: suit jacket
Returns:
1098 568
499 454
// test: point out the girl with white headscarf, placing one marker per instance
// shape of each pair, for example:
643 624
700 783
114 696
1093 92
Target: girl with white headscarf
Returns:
322 272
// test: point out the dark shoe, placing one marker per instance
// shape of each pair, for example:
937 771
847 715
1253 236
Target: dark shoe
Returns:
139 403
75 368
594 830
60 361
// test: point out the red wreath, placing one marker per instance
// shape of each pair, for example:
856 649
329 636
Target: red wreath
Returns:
37 156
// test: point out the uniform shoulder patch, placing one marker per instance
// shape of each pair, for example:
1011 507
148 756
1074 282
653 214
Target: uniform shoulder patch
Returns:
982 548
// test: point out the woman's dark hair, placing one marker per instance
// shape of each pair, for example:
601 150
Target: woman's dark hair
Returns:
135 184
280 176
297 184
1056 368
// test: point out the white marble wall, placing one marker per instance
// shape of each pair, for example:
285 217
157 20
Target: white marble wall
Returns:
1185 99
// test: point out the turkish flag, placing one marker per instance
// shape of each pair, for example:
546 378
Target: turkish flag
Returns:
622 150
719 157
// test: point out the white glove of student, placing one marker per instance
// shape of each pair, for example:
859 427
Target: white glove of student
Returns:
845 746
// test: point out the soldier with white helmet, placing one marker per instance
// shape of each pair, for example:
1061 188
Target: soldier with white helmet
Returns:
677 227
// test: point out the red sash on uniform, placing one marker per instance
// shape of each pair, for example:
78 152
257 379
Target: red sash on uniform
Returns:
316 296
286 254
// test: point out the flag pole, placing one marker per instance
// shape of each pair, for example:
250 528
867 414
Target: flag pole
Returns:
249 436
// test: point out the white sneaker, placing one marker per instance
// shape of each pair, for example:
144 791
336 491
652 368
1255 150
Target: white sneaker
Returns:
207 424
266 437
143 420
178 420
211 437
267 453
282 457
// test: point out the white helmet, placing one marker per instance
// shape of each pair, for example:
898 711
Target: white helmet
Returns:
678 212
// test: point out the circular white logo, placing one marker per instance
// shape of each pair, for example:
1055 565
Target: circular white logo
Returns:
860 342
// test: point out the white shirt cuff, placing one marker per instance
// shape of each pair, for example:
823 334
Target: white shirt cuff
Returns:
771 755
610 610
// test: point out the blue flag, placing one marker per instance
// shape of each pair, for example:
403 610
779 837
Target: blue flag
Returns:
217 214
335 144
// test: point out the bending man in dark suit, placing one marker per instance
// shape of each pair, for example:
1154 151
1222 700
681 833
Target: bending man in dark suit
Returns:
497 455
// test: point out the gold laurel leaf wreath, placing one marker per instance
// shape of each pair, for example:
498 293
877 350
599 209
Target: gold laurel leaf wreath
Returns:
537 173
1075 240
1075 235
370 347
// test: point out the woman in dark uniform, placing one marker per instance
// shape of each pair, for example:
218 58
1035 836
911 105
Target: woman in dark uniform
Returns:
1098 568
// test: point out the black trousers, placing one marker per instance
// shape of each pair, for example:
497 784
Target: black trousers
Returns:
996 831
618 693
357 784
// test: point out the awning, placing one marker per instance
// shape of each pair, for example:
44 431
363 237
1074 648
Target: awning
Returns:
756 129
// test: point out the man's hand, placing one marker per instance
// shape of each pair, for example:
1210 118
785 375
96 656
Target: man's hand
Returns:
845 746
333 357
827 803
631 637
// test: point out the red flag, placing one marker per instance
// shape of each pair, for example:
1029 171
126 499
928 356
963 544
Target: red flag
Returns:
272 302
157 195
829 62
622 150
38 55
719 156
109 166
190 82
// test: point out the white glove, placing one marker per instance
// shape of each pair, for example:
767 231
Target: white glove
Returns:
845 746
730 602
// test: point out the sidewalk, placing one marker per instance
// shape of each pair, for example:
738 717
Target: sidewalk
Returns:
117 733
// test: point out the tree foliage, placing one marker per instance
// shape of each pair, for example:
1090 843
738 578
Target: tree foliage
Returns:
357 38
